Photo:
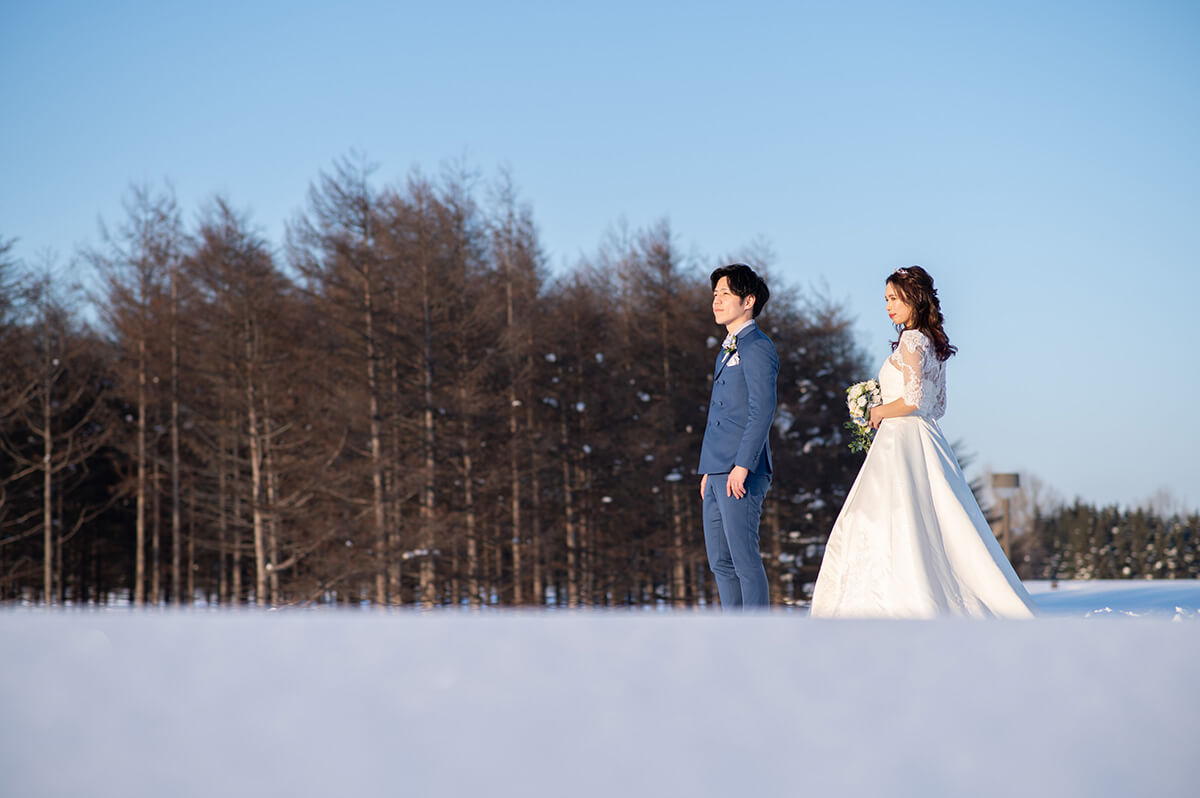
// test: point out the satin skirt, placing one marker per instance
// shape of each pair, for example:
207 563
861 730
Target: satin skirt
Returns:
911 541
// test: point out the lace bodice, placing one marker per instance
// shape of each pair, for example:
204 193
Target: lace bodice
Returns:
914 373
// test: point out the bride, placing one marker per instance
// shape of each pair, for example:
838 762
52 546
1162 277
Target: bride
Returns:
910 540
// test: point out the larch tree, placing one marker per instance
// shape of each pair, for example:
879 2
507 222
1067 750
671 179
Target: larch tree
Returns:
335 248
134 264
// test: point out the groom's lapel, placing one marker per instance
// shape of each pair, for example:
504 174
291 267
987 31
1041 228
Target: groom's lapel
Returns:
723 360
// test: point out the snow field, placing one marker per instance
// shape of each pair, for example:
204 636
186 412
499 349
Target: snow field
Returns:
343 703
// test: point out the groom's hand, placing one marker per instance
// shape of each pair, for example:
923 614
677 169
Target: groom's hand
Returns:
735 486
703 485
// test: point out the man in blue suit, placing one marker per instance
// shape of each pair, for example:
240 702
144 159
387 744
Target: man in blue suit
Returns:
735 459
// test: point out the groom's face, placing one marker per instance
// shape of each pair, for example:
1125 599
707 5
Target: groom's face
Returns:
727 306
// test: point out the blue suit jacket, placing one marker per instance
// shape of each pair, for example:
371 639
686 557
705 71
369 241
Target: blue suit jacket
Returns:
742 408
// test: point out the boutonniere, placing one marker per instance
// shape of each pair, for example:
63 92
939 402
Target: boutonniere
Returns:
730 347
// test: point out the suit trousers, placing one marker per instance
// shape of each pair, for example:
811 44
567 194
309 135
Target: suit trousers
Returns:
731 540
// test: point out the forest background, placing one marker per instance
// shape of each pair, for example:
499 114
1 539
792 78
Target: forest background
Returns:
399 405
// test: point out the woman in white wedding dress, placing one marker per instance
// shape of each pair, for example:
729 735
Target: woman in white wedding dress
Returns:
911 541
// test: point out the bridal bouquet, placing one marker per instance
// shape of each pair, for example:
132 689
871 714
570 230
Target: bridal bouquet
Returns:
860 398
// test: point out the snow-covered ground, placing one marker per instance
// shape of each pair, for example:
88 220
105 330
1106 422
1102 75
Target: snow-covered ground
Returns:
1099 698
1121 597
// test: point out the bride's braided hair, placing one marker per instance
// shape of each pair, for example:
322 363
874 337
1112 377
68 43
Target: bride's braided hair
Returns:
915 287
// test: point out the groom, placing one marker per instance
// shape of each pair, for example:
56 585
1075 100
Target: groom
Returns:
735 459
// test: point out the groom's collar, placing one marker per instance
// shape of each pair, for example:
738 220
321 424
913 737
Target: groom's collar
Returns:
745 327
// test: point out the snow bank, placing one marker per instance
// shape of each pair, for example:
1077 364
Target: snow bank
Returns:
337 703
1179 599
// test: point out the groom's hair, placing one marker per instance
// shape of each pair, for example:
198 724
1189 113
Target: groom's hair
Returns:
744 282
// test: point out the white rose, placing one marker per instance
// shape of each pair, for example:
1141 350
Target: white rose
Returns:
862 401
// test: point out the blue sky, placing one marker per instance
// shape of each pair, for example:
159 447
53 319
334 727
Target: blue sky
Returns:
1041 160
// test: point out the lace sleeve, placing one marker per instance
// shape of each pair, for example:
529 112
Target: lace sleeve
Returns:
910 357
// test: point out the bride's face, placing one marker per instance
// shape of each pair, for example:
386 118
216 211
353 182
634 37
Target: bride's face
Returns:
899 311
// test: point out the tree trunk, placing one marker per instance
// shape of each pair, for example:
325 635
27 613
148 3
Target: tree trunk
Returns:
572 539
139 569
515 504
466 442
176 543
472 533
395 541
377 499
60 567
236 526
223 550
586 531
513 444
427 493
256 477
692 564
772 515
677 562
191 537
47 470
155 536
272 479
535 532
678 583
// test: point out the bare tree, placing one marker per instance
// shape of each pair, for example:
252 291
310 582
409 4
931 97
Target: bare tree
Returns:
133 264
248 298
335 247
64 410
517 258
472 323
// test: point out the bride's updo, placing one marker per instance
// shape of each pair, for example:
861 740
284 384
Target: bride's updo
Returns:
915 287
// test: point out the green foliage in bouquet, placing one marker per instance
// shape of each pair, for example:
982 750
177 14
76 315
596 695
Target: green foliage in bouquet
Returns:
860 436
860 398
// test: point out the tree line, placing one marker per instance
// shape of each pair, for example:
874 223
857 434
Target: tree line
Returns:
398 405
1086 541
1055 539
